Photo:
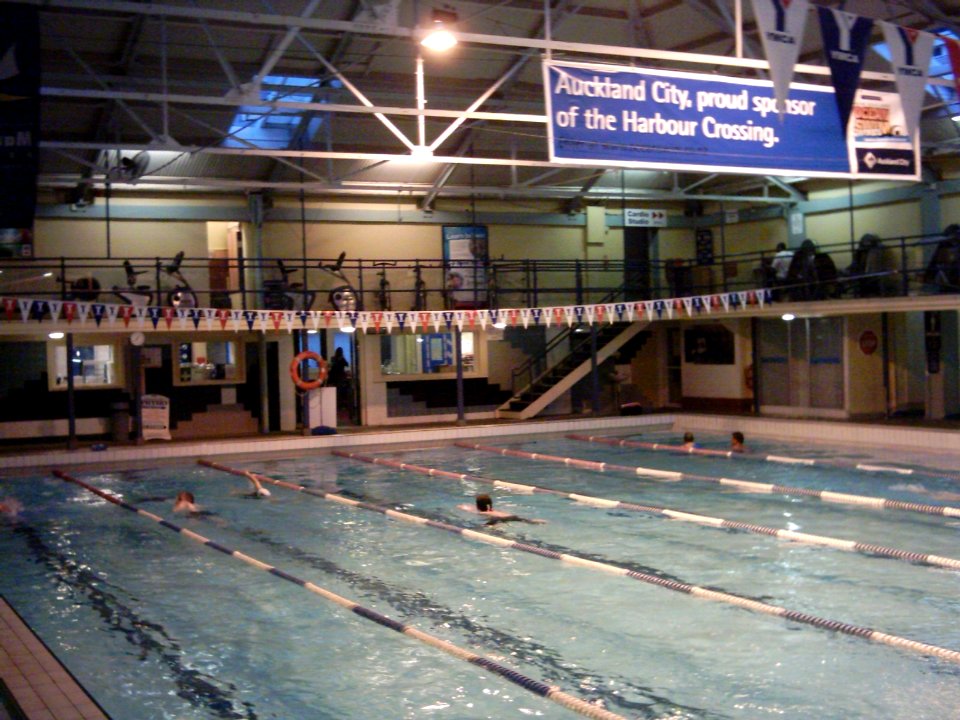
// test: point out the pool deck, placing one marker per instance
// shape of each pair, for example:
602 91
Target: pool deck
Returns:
38 685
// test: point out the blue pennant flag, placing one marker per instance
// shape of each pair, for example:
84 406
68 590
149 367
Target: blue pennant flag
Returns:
251 317
194 314
401 319
155 315
38 308
846 38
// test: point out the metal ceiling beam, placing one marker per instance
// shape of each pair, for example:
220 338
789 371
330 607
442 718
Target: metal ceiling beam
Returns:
193 14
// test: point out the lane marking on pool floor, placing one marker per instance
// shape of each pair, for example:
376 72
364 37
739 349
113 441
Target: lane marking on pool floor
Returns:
782 459
672 514
537 687
611 569
747 486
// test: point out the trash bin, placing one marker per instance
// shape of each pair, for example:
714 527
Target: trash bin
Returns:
120 422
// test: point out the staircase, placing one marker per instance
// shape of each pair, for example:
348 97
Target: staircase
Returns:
217 421
563 375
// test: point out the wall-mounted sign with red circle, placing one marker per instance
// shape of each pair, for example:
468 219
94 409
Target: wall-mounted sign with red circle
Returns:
868 342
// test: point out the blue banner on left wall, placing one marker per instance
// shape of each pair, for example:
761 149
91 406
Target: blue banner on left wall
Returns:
19 126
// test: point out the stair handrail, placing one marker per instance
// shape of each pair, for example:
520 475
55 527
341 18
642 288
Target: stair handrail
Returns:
539 360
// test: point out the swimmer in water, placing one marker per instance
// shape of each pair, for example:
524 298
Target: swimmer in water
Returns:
185 502
259 490
484 506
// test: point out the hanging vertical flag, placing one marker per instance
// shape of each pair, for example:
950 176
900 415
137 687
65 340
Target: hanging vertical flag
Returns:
781 24
953 52
19 126
846 38
910 52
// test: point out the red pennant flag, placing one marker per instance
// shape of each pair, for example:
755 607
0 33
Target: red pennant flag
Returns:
69 311
472 317
377 317
168 314
223 316
8 307
275 318
126 311
953 50
599 311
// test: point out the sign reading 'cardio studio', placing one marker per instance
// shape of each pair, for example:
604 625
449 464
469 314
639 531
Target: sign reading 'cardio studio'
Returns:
634 117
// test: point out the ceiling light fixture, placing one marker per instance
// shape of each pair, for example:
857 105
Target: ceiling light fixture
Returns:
439 38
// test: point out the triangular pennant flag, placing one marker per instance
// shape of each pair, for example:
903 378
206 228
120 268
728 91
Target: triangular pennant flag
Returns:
112 312
140 313
781 24
69 311
609 312
154 313
209 314
401 319
195 317
275 318
458 317
238 318
725 300
525 317
223 315
472 316
846 39
579 311
83 309
328 315
168 314
761 299
250 318
910 52
9 305
692 305
658 307
513 314
54 306
39 308
353 316
448 318
26 306
706 303
741 298
537 315
953 52
98 310
363 320
304 315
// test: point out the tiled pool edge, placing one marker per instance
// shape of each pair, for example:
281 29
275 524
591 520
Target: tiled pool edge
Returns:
880 436
41 687
262 445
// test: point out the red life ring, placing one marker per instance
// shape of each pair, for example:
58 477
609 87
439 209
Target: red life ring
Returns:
295 370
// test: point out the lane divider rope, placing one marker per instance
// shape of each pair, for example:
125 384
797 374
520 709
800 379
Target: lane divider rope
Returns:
748 486
782 459
679 515
535 686
611 569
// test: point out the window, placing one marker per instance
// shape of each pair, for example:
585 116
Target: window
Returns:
216 362
92 366
430 353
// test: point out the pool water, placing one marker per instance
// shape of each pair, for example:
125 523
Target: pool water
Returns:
155 625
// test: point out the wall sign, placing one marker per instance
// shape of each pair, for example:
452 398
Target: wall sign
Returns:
642 217
637 117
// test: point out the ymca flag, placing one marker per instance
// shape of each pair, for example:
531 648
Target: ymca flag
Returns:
845 40
953 51
910 52
781 24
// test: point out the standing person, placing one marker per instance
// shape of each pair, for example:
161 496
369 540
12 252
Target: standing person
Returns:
337 376
781 262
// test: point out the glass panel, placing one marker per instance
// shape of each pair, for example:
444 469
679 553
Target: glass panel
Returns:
91 365
773 352
425 354
826 362
206 362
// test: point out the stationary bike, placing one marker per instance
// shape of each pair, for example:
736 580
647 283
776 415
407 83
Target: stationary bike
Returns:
342 297
181 295
284 295
419 289
383 293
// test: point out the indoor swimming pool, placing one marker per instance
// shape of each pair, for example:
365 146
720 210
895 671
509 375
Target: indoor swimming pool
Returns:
632 597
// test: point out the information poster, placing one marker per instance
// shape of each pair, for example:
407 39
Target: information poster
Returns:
155 417
634 117
465 260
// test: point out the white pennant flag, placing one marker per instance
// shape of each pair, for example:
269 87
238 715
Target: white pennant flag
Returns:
54 306
910 52
781 24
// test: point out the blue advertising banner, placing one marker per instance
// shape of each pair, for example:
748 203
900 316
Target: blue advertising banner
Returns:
19 126
636 117
465 260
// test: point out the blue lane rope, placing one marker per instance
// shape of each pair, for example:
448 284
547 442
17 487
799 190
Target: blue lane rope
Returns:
748 486
782 459
610 568
535 686
680 515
